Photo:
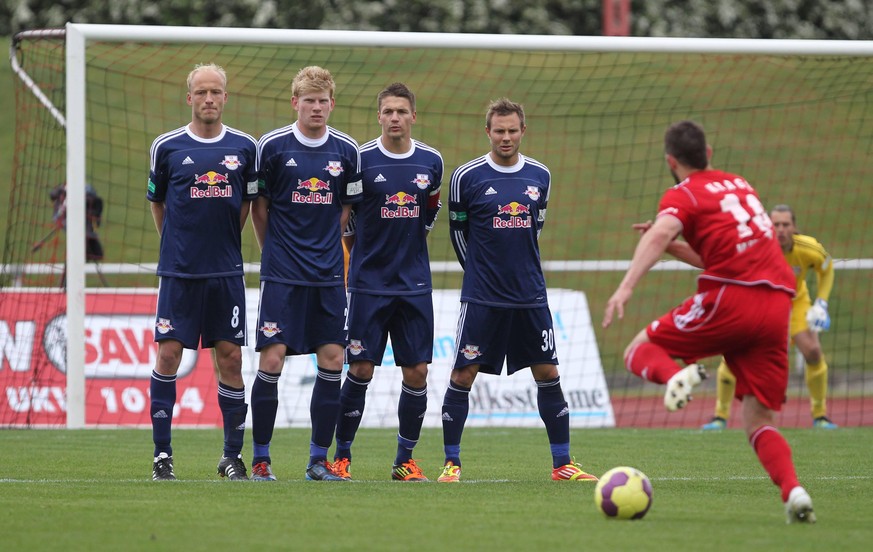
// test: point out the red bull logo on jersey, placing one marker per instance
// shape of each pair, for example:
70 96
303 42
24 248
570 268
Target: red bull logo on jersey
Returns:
231 162
355 347
163 326
471 352
515 210
214 188
335 168
211 178
422 181
315 188
532 192
269 329
401 202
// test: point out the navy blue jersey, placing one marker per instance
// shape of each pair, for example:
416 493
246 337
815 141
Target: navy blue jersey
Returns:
307 183
400 203
202 184
495 216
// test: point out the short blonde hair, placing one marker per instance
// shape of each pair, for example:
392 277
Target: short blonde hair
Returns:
312 79
208 67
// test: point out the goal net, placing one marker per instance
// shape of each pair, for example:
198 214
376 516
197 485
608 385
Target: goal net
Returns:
78 284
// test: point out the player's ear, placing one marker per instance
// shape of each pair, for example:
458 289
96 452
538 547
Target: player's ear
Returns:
708 152
671 161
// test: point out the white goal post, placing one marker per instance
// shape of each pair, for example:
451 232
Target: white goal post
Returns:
78 37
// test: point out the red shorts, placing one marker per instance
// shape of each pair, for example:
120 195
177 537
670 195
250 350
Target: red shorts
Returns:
748 325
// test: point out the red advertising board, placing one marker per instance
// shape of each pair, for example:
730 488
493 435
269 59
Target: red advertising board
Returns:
120 354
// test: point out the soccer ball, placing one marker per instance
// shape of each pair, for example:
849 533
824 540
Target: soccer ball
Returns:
623 493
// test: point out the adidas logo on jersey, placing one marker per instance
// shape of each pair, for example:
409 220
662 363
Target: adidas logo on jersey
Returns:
565 411
490 191
379 178
188 161
447 418
160 414
352 414
239 335
291 163
241 427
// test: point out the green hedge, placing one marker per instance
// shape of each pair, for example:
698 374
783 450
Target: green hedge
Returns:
839 19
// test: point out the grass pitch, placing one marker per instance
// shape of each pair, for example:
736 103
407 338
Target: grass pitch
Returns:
91 490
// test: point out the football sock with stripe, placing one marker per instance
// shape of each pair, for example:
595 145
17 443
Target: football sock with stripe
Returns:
774 454
651 362
410 413
555 413
323 409
265 403
456 407
163 398
232 403
353 398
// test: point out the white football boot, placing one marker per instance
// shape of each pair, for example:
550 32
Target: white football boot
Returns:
680 385
798 507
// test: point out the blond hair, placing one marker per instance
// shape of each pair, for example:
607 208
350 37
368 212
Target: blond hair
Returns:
207 67
312 79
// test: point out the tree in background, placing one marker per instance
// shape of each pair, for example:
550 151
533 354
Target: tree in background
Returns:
838 19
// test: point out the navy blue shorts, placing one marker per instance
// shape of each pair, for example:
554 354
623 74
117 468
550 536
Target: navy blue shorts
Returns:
408 319
303 318
202 310
489 335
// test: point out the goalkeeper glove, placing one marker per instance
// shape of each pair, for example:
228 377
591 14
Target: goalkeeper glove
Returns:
817 317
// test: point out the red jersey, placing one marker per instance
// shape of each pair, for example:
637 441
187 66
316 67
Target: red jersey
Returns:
725 223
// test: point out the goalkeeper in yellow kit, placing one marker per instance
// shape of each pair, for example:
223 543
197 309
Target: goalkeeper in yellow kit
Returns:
808 318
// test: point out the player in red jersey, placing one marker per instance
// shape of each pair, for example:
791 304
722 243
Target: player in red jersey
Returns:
741 308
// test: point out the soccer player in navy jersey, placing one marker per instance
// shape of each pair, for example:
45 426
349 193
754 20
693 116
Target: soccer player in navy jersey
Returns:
497 207
741 308
389 283
201 185
309 177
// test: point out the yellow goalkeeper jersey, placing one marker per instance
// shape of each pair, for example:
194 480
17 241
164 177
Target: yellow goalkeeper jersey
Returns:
808 254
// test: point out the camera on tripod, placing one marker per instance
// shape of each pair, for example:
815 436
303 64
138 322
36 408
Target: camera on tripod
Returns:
93 219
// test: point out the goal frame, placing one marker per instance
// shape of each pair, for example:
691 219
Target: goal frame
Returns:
78 36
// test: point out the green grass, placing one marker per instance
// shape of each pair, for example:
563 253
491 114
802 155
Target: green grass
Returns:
91 490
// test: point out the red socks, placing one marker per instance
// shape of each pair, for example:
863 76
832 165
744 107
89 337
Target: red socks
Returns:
651 362
775 455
